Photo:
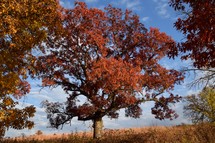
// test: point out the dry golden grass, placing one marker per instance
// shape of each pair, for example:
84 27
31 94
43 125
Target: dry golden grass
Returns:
203 133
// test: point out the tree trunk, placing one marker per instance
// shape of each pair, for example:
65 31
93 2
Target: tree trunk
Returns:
97 128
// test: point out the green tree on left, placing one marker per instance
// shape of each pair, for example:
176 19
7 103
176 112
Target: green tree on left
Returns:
23 27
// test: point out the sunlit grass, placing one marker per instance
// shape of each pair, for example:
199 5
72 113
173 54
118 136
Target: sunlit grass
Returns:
202 133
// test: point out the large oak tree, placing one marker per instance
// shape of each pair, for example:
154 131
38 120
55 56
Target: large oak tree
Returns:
110 61
23 27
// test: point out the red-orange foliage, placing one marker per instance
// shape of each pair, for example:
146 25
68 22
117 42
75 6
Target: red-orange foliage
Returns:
23 26
110 58
198 26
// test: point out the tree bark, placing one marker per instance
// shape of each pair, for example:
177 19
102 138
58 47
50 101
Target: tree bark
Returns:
97 128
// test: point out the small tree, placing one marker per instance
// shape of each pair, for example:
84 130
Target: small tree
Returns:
201 107
23 135
39 132
109 61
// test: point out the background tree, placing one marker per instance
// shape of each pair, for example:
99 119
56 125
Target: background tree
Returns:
39 132
198 27
109 61
23 26
201 107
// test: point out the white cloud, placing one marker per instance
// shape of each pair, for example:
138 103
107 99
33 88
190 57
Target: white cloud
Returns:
89 1
144 19
162 8
129 4
67 3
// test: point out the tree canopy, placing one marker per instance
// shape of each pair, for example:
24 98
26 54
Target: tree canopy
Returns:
23 27
109 59
197 23
198 26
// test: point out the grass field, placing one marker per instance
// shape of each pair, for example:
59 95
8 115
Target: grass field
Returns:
202 133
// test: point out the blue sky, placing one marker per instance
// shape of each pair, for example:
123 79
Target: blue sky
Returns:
152 13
